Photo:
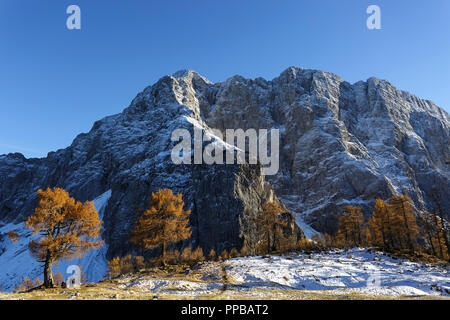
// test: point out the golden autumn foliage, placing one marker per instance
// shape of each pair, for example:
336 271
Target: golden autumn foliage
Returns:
350 232
139 263
185 255
58 279
13 236
212 255
287 243
68 228
380 230
197 255
269 225
244 251
403 221
163 223
223 255
392 227
125 265
304 244
234 253
27 284
191 257
113 268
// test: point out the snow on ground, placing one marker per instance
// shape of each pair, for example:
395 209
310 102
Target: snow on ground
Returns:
177 287
339 272
16 263
357 270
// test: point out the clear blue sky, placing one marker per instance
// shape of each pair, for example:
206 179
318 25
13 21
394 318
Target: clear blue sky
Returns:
54 83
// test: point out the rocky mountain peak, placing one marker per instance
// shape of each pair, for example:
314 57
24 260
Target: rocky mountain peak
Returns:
340 144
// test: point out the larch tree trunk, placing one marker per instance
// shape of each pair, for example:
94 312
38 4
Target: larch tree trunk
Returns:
48 273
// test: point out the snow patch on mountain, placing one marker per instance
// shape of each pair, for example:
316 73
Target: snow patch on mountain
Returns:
306 228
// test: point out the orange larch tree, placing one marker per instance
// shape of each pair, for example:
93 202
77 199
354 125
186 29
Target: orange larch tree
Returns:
439 212
404 221
163 223
113 268
379 226
270 224
68 228
351 226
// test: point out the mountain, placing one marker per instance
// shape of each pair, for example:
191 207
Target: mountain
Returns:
341 144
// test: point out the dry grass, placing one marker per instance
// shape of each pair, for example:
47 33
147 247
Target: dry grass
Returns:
109 291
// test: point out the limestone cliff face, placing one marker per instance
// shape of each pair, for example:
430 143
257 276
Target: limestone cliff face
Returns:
341 144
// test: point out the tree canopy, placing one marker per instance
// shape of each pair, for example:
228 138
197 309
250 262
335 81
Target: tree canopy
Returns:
68 228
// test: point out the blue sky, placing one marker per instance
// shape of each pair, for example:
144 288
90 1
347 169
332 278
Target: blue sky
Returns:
55 82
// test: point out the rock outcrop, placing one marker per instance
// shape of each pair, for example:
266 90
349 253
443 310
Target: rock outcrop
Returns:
341 143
